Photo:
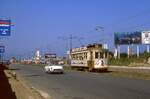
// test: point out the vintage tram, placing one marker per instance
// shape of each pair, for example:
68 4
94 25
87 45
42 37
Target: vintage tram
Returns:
90 57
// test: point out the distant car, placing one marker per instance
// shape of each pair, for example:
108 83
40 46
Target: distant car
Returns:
54 69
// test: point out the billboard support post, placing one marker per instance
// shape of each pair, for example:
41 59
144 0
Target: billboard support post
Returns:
138 51
116 52
119 51
147 48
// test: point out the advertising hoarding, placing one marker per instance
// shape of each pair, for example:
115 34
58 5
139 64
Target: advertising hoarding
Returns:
5 27
50 55
122 38
145 37
79 63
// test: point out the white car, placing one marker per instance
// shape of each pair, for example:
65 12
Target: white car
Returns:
54 69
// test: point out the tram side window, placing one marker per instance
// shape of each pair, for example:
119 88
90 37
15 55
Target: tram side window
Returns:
85 55
80 58
96 55
77 58
73 57
101 55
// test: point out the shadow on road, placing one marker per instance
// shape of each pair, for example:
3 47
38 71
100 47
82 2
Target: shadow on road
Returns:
15 69
5 88
32 75
105 71
101 71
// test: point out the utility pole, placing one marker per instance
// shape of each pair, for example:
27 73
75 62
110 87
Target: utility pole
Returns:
101 29
5 31
70 42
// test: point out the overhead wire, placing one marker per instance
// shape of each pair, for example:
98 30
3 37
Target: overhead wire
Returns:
128 19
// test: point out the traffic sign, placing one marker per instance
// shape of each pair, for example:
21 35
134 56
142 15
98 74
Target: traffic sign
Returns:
5 27
2 49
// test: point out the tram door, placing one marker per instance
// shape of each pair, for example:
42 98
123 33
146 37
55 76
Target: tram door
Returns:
90 62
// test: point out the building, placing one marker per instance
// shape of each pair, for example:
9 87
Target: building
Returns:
37 57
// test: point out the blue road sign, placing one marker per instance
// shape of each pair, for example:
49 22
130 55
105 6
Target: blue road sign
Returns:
2 49
5 27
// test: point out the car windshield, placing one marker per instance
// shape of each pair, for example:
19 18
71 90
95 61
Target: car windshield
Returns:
52 63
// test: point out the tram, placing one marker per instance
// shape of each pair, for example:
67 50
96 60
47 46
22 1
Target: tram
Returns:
90 57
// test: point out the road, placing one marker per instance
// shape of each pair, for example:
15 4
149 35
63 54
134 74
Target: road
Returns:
83 85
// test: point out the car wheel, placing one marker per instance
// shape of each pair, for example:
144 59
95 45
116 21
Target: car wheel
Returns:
46 71
61 72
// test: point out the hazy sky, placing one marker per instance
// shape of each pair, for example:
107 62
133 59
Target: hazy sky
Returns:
46 24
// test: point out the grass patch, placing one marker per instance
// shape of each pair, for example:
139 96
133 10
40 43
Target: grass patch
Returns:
67 67
131 61
136 75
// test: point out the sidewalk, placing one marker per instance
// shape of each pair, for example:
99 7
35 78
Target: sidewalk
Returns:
5 88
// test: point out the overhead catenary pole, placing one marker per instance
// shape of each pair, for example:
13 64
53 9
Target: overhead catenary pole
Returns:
101 29
119 51
128 51
70 42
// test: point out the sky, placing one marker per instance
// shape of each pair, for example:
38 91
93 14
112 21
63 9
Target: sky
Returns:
46 25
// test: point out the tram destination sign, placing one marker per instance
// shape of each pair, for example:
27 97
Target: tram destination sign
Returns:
5 27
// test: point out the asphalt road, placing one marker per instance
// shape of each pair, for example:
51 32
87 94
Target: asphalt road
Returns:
84 85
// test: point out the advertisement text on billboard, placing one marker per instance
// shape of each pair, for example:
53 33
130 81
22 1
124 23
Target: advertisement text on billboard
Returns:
127 38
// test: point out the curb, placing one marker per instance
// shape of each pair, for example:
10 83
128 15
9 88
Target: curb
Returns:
42 93
126 67
129 69
35 92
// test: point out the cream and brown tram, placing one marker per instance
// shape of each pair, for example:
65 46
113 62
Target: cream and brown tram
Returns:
90 57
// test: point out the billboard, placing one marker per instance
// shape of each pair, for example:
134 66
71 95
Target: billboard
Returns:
5 27
145 37
127 38
50 55
2 49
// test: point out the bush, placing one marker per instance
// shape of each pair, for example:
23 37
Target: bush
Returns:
124 61
119 62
